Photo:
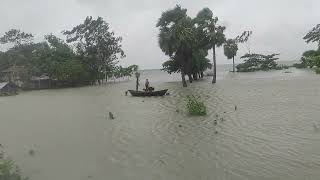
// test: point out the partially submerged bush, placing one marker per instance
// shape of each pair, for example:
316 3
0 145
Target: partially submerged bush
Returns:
9 171
299 65
256 62
195 106
317 70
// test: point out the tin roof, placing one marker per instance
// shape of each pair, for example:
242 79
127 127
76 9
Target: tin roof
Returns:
3 84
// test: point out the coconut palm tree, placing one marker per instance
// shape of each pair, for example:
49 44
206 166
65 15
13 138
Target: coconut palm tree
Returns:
230 50
213 32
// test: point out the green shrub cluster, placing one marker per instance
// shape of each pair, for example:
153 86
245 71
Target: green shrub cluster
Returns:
8 170
195 106
310 58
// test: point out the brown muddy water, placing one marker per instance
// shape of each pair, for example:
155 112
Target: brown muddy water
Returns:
273 134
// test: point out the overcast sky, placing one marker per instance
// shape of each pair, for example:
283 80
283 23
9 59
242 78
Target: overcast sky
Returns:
278 25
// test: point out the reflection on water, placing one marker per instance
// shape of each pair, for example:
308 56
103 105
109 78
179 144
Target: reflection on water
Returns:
271 135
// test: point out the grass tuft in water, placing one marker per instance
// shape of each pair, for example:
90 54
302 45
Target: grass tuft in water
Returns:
195 106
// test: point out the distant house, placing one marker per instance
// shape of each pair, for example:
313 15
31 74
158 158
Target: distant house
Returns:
40 82
8 88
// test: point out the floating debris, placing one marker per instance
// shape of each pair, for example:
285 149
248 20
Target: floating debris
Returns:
224 112
31 152
217 115
162 162
177 110
167 94
180 125
235 107
111 115
215 122
126 93
222 119
216 132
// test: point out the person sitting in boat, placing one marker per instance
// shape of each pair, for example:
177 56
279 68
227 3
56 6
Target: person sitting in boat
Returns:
147 86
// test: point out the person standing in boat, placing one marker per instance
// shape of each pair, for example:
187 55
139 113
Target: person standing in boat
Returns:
147 84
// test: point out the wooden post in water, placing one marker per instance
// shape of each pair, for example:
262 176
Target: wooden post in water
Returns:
137 82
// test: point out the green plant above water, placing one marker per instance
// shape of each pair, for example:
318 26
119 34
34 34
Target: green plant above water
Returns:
8 171
195 106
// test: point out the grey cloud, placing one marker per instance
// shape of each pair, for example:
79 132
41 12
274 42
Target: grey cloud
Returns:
278 25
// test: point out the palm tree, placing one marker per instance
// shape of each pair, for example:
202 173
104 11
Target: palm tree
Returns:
176 39
230 50
213 32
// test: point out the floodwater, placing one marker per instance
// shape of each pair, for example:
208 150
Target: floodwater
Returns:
273 134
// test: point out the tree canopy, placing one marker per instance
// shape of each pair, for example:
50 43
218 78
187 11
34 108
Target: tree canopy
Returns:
94 41
313 35
230 48
187 40
16 37
91 52
211 34
311 58
256 62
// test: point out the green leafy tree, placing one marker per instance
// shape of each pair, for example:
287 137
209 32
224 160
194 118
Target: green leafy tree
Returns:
21 50
97 44
171 66
213 33
230 50
309 58
16 37
56 59
255 62
313 35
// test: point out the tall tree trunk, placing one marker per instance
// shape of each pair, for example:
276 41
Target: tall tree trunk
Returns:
214 80
184 83
195 76
137 84
233 64
190 77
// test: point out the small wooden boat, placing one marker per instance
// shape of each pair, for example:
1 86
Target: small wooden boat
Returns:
148 93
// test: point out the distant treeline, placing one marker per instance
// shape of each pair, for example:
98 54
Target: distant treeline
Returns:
187 40
90 54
